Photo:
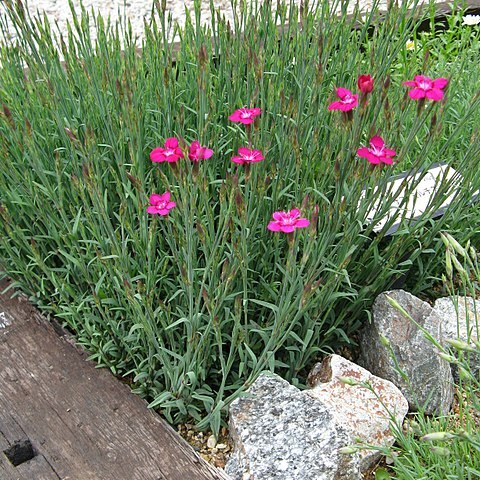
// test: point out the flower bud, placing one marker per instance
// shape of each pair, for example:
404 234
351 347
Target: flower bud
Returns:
441 451
460 345
365 83
349 381
348 450
437 436
448 358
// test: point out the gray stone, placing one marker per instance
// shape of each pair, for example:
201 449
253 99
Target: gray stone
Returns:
460 318
281 433
430 382
365 414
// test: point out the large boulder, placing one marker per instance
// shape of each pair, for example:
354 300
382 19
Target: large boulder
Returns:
429 383
367 415
282 433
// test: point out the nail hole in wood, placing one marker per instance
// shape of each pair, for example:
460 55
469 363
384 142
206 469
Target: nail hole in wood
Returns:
20 452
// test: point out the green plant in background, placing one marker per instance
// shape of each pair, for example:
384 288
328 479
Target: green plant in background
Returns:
188 292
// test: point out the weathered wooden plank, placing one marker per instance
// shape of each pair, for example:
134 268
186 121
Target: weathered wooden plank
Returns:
37 468
8 471
82 420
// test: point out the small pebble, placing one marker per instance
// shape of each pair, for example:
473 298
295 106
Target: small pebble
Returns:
211 442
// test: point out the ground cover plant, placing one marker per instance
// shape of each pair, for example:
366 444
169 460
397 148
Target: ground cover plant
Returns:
199 213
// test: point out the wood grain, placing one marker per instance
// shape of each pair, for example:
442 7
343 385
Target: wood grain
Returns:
82 421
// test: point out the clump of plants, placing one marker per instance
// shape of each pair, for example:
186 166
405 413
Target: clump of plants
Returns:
209 209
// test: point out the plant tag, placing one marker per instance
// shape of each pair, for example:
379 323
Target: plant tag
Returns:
438 180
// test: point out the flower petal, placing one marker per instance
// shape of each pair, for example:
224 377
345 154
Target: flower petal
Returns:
416 93
422 79
435 94
287 228
171 142
156 155
342 92
377 142
440 82
154 198
389 152
335 105
273 226
238 160
245 151
235 116
363 152
207 153
302 223
165 197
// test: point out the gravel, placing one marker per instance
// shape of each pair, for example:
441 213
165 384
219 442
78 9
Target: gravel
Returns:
138 10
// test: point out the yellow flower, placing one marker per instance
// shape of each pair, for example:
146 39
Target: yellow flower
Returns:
410 45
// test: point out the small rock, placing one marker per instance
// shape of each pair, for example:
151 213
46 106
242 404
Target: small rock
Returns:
221 446
212 441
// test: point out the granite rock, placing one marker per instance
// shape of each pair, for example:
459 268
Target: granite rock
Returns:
430 381
366 415
282 433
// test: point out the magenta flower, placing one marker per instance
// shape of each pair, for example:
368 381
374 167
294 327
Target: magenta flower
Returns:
245 115
287 222
248 156
170 152
197 152
160 204
348 100
365 83
425 87
377 153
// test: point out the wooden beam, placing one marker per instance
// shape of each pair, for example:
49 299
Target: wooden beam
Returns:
82 422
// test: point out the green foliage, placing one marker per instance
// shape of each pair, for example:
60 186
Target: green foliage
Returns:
194 305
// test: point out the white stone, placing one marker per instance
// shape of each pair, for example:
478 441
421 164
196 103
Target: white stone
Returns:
460 318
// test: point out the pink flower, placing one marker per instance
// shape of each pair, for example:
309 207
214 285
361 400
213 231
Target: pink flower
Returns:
160 204
287 222
245 115
425 87
377 153
365 83
197 152
348 100
248 156
170 152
